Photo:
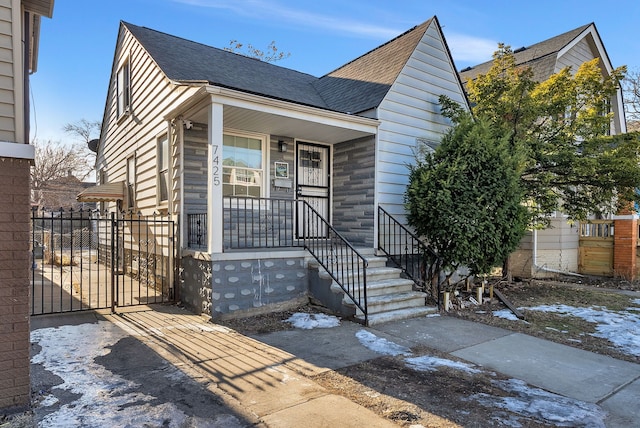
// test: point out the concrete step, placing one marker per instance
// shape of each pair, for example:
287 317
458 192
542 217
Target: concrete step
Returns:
372 262
390 302
373 274
384 286
399 314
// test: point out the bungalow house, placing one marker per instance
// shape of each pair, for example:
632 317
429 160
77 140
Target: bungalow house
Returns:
271 171
555 250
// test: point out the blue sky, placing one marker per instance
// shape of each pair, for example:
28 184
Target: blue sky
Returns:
77 45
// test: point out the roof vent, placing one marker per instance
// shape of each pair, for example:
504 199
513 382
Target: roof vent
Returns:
520 49
466 69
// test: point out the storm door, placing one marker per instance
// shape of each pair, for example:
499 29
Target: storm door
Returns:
312 178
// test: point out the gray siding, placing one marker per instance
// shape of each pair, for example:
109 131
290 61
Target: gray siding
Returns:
195 170
353 190
411 111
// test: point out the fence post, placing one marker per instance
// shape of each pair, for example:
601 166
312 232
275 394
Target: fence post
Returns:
625 241
113 263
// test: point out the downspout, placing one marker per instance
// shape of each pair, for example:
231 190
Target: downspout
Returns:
543 268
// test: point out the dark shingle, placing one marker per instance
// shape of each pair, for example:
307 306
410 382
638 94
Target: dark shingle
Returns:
541 57
363 83
355 87
186 61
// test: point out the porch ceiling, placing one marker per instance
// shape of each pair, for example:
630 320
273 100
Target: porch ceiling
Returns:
274 124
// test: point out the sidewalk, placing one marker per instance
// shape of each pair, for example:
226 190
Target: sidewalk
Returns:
264 380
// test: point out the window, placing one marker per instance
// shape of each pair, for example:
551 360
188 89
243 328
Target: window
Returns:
163 169
102 179
242 171
131 182
123 89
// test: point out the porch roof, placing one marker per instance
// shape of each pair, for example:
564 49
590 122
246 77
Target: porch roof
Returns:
109 192
263 115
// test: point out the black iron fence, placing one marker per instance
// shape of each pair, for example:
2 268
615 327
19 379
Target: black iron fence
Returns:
417 260
87 260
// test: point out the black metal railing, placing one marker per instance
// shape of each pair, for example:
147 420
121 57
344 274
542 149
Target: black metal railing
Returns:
285 223
336 255
259 223
197 230
417 260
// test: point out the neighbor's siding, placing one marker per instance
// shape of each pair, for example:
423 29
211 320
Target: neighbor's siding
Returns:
10 63
410 111
582 52
353 190
575 56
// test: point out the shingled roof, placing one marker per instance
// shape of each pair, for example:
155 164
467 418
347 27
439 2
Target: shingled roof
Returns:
355 87
186 61
362 84
541 57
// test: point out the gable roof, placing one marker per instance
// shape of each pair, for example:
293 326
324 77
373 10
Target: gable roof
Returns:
363 83
186 61
358 86
541 57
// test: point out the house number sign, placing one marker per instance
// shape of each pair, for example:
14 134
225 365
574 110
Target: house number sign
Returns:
215 168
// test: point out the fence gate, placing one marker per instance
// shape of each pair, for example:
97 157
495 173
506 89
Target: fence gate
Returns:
83 260
595 252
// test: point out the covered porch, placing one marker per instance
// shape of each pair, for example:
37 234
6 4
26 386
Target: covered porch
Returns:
252 172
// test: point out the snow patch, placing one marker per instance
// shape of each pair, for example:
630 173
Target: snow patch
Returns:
311 321
380 344
620 328
430 364
105 399
540 404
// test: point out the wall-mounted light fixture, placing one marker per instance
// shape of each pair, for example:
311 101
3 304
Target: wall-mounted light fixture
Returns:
282 146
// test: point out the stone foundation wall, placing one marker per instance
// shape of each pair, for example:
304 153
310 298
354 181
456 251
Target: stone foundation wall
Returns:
225 288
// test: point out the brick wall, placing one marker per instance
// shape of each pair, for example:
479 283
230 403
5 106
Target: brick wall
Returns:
624 250
14 283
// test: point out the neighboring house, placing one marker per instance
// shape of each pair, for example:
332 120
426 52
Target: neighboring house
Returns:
265 165
556 249
60 193
19 41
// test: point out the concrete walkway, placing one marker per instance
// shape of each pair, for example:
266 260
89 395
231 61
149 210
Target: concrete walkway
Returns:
265 378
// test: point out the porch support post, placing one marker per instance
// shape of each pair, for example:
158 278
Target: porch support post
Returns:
215 203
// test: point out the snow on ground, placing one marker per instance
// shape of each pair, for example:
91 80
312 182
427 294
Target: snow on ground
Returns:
506 314
622 328
429 364
105 399
523 400
310 321
380 344
537 403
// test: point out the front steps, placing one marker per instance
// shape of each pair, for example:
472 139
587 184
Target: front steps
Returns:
389 296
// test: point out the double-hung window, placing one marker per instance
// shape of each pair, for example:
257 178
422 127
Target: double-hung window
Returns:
123 89
163 169
243 166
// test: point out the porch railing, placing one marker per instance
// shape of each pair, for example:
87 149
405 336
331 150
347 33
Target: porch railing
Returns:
417 260
283 223
336 255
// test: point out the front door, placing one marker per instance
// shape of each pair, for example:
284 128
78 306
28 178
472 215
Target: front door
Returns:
313 185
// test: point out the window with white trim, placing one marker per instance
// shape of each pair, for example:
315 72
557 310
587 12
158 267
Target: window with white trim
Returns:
243 166
163 168
123 89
